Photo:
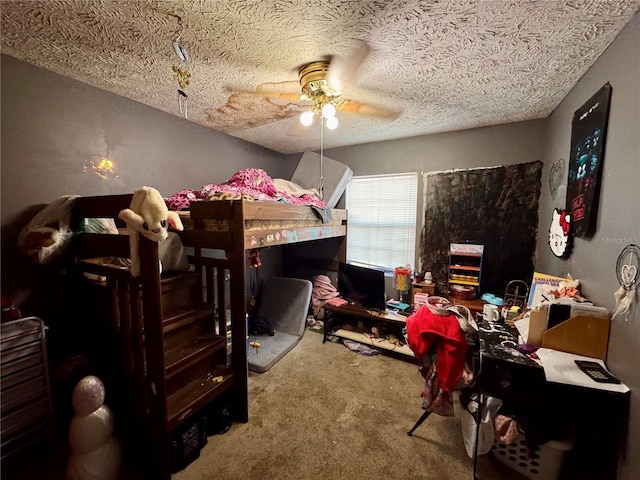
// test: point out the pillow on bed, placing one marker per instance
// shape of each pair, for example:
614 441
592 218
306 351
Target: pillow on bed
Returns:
293 189
48 234
100 225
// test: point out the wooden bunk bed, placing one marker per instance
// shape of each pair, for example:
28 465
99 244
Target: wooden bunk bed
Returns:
171 329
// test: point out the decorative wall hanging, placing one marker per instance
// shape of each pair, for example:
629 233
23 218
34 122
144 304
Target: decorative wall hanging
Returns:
560 234
181 71
628 273
496 207
556 174
588 133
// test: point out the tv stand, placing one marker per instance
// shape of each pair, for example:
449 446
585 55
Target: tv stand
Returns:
354 322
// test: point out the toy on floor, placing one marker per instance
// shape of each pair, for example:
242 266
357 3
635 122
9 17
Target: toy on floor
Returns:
148 215
95 453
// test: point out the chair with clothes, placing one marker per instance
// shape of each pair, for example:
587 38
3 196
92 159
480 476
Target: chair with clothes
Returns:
444 340
493 383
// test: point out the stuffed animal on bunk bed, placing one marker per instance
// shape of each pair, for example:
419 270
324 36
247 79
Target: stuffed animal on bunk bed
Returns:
48 235
147 215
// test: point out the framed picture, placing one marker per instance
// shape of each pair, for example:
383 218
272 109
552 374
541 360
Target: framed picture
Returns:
588 132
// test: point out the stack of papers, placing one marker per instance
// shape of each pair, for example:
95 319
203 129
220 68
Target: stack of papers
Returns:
560 367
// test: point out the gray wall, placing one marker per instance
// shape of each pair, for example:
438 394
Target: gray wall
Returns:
482 147
593 260
53 126
50 125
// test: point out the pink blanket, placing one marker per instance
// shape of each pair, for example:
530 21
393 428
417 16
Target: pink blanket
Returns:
251 184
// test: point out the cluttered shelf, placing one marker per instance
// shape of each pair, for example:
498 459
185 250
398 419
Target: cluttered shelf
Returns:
366 339
380 330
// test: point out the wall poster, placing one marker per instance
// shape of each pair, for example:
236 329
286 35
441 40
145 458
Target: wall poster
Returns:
588 132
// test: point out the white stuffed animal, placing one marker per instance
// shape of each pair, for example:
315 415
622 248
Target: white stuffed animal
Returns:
147 214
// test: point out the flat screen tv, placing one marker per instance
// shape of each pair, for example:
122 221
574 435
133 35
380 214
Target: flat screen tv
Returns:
362 285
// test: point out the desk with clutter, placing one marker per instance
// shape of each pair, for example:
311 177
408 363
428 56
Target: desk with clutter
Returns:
563 421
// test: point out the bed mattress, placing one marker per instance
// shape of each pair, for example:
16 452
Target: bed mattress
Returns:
336 176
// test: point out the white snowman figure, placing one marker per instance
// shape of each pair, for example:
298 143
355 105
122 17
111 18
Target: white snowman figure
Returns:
95 453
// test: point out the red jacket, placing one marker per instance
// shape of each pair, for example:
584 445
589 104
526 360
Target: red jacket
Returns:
424 328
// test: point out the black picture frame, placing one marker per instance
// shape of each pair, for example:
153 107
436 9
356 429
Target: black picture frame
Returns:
588 135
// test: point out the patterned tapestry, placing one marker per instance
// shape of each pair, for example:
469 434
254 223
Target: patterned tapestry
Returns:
496 207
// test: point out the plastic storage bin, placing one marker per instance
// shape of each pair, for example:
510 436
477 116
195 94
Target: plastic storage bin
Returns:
544 463
187 442
25 411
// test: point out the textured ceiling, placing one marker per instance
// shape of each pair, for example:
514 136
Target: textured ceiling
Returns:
443 65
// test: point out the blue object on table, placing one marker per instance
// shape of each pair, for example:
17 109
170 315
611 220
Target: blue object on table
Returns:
397 304
496 301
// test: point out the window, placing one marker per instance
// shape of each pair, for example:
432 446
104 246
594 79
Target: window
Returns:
382 220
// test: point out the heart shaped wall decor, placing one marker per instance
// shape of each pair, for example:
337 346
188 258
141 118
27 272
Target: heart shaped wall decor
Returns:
627 267
556 174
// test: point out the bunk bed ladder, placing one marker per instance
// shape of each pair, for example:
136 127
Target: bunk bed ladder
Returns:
154 359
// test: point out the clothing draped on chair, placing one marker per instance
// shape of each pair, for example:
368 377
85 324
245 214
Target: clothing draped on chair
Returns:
439 334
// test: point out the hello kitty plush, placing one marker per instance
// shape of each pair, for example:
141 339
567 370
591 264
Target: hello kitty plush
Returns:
147 215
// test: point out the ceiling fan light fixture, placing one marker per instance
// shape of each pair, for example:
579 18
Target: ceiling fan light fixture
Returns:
306 118
332 123
328 111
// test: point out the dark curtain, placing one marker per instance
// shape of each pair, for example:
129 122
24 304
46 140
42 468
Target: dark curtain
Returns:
496 207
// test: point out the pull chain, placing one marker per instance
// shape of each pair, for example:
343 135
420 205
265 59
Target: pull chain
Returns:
321 189
181 71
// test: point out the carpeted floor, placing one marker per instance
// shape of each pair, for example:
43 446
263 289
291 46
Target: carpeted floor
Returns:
324 412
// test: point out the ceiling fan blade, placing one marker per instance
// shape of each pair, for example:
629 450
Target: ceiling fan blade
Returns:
342 70
298 130
358 108
273 95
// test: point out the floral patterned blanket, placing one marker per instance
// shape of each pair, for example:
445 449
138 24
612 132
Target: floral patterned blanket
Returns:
250 184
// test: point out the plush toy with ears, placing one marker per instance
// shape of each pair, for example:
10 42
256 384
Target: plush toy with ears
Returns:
148 215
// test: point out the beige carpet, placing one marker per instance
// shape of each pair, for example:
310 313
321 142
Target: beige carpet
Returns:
322 413
325 412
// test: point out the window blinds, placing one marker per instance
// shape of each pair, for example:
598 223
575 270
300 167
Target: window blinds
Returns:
382 213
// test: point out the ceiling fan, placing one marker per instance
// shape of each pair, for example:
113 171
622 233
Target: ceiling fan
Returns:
322 83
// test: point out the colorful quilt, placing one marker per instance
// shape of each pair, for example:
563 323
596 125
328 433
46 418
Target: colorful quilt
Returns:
250 184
